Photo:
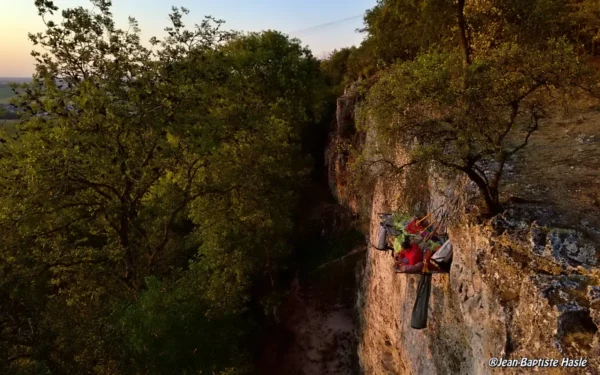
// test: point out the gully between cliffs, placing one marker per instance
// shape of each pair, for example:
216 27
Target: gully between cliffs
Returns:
317 328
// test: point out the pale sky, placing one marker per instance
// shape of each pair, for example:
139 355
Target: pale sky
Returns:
18 17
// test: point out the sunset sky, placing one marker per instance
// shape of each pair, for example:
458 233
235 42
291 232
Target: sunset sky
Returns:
18 17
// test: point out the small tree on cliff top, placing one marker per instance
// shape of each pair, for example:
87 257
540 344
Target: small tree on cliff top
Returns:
470 118
464 99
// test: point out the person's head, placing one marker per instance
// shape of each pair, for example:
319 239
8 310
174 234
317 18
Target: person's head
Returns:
406 243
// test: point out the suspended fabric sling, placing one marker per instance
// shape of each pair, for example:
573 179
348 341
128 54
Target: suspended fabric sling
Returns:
443 250
421 307
420 311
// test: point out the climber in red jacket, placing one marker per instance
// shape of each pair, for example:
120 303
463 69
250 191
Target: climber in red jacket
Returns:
410 258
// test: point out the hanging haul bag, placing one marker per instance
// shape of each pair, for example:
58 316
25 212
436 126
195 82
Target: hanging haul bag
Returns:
421 307
385 227
444 253
443 257
381 243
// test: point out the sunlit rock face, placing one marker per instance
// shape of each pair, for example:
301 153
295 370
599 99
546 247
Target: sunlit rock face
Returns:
518 287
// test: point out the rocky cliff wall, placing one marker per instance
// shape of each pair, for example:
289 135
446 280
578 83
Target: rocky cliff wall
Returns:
518 287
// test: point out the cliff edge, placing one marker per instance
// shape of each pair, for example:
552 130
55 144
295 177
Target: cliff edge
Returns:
523 284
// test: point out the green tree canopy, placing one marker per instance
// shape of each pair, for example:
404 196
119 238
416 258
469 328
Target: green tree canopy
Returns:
470 120
463 101
400 29
147 191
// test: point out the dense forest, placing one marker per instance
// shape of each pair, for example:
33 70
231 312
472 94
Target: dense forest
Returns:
148 200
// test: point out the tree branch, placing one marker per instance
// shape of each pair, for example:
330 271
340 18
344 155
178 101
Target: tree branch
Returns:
96 186
535 121
462 28
391 164
482 173
17 357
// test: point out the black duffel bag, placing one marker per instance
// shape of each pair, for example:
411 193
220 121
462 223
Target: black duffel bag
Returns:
419 313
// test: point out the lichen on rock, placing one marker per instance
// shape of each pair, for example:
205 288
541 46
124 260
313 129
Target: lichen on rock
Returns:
567 248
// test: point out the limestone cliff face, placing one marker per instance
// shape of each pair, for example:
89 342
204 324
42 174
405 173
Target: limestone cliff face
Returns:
337 156
517 288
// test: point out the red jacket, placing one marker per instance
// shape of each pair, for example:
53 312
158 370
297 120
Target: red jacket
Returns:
413 227
414 255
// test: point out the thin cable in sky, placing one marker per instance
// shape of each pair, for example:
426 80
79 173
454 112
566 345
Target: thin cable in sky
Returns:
316 28
322 27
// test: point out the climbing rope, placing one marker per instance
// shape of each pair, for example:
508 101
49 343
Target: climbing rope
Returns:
429 252
452 202
429 226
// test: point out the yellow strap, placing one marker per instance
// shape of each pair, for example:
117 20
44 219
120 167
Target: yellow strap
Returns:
426 262
424 217
430 225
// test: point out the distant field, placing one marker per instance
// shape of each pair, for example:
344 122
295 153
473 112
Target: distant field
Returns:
15 79
5 93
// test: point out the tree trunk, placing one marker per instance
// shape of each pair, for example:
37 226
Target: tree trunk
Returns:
124 241
462 28
490 193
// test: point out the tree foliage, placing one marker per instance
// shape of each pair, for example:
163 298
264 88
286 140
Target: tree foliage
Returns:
147 191
470 98
470 121
400 29
336 69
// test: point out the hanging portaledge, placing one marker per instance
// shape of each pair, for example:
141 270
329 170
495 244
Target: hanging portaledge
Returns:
421 307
